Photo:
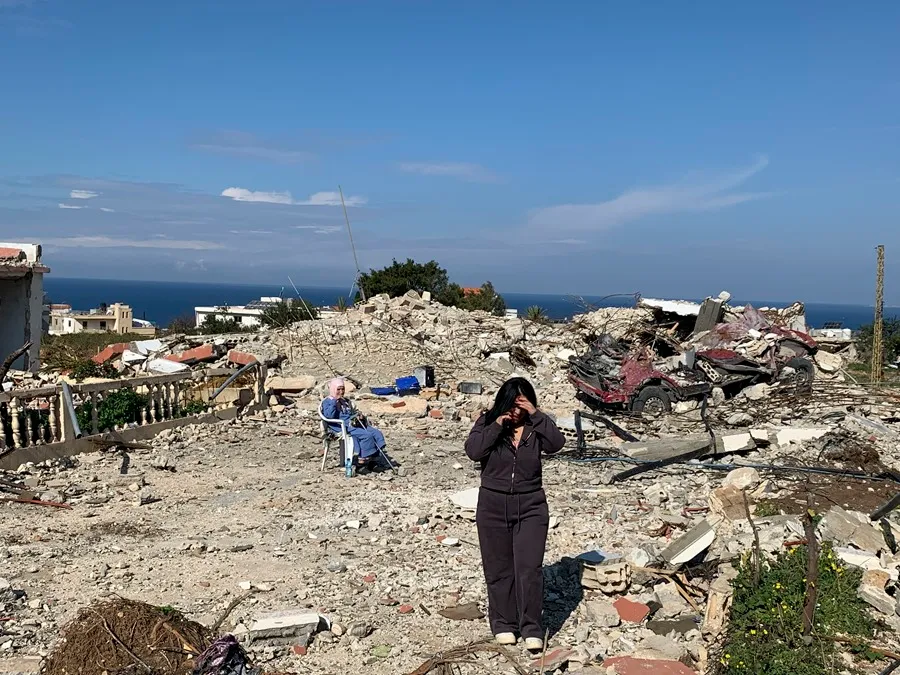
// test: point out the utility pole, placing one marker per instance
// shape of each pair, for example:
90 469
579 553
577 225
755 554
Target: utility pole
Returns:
362 291
878 326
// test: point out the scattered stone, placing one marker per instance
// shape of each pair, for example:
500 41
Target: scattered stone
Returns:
466 612
745 478
739 420
602 613
689 546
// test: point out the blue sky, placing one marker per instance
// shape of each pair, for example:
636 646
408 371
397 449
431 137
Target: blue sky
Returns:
672 149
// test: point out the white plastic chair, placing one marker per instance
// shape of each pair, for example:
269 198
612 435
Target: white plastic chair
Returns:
329 435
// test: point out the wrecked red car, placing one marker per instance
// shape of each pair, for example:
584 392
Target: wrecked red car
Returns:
609 375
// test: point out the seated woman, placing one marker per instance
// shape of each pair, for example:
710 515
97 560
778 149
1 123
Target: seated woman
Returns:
367 440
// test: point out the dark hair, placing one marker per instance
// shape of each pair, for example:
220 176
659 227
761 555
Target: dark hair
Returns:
506 397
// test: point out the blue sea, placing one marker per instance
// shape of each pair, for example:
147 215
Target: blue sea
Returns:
162 301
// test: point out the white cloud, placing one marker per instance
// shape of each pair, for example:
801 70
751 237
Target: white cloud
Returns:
244 195
250 231
69 206
106 210
319 229
83 194
474 173
332 199
704 195
317 199
112 242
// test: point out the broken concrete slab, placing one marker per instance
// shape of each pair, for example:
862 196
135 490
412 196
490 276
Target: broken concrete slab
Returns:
681 626
288 623
291 385
629 665
787 435
665 448
466 499
849 527
166 367
732 443
690 545
745 478
602 613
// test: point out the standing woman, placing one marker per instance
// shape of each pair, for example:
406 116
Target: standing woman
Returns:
512 515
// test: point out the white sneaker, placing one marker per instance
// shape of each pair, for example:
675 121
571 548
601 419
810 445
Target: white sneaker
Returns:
505 638
534 644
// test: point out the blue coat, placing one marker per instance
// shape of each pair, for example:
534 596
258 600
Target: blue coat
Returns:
367 440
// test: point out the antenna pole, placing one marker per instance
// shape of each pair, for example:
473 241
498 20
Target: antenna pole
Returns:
362 291
878 325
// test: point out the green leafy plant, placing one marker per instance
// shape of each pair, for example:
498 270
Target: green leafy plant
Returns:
287 312
86 368
536 314
117 408
214 324
193 407
342 304
765 633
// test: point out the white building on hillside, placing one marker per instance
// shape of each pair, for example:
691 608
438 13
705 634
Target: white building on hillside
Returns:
246 315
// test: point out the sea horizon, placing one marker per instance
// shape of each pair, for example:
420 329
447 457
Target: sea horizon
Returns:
180 298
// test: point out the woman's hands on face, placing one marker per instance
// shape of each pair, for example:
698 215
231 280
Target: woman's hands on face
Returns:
525 405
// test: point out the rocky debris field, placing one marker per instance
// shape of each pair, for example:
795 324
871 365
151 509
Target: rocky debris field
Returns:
376 573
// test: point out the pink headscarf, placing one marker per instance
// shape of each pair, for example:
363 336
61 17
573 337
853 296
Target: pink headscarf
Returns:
334 385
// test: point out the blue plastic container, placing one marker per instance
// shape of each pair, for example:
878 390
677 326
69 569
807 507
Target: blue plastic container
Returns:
407 385
383 391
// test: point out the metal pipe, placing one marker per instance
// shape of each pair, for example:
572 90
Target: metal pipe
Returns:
731 467
69 405
231 379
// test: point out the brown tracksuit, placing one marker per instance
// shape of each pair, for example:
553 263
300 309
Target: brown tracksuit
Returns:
512 520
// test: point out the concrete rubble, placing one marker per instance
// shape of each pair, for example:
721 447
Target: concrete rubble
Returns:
356 576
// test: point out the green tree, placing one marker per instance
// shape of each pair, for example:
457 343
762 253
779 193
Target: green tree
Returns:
341 305
184 323
399 278
217 325
890 340
288 312
116 409
486 299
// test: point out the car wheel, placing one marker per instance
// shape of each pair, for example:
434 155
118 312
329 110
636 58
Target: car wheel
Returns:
804 371
652 402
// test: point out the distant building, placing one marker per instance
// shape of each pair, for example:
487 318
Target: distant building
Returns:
21 302
116 318
247 316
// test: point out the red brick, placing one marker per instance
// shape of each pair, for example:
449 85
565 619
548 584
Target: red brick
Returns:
631 611
399 404
241 358
436 414
370 578
299 650
405 609
195 355
7 253
628 665
111 352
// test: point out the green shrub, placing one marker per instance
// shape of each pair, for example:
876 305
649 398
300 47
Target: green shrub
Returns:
400 278
86 368
288 312
765 633
117 409
193 407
